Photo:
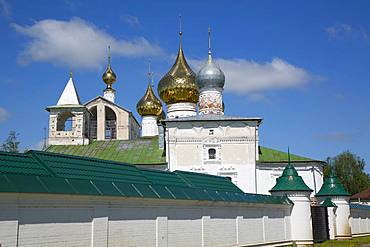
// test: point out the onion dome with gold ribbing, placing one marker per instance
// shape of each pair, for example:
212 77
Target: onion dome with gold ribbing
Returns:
149 104
109 77
179 85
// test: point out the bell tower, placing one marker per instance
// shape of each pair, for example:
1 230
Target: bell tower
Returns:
68 119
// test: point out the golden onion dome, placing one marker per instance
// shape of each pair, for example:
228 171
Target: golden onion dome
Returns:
149 104
109 77
179 85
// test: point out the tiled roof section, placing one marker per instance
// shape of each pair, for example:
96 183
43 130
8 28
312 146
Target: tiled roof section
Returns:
15 163
139 151
365 195
272 155
205 181
43 172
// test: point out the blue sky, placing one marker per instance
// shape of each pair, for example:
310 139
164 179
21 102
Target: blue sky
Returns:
303 66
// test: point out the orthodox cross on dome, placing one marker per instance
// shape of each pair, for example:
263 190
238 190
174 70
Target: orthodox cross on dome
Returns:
209 41
108 56
150 75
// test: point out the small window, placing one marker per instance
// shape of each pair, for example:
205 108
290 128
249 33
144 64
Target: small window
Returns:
211 132
211 153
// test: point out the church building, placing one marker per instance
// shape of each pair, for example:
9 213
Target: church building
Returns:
184 129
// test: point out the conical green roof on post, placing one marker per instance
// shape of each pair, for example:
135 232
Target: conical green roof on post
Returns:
328 203
332 187
290 180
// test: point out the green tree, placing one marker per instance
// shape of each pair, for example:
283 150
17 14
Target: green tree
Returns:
11 143
349 168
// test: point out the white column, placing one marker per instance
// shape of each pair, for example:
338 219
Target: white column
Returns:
343 228
300 217
185 109
331 222
149 126
99 232
161 232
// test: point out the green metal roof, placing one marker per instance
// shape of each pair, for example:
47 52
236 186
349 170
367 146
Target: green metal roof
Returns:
332 187
290 180
145 151
328 203
45 172
272 155
138 151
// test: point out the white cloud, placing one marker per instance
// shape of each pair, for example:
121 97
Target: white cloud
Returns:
131 20
77 43
249 77
348 31
5 8
4 114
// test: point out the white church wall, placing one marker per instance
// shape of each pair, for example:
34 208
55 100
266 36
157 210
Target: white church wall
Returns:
59 220
188 145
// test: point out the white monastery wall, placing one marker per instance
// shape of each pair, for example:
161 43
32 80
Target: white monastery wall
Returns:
360 221
235 146
58 220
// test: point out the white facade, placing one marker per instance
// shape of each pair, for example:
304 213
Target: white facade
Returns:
149 126
311 172
225 147
59 220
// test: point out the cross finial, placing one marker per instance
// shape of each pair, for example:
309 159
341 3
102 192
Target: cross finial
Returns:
70 73
288 156
109 56
180 24
209 40
150 75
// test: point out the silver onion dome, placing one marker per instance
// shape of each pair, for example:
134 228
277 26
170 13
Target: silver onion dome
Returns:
210 75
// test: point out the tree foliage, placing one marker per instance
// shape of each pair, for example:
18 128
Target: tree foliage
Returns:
349 169
11 143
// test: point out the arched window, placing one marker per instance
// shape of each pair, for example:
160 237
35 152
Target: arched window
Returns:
110 124
65 121
211 153
93 122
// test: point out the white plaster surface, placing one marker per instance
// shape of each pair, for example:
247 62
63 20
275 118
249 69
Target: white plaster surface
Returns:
59 220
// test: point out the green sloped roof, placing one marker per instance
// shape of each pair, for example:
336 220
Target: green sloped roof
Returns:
332 187
45 172
205 181
290 180
328 203
138 151
272 155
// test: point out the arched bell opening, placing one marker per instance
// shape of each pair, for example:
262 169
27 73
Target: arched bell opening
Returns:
93 123
110 124
65 121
